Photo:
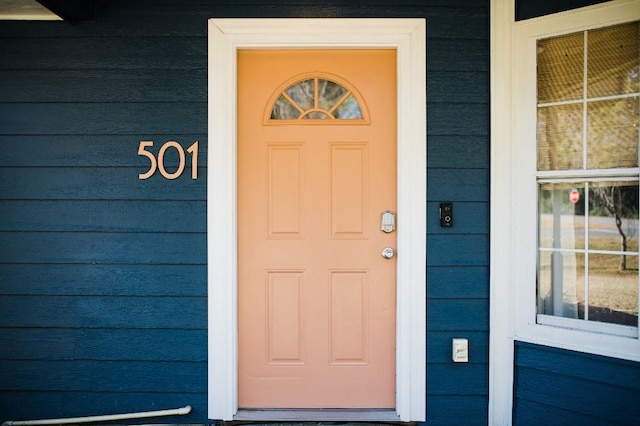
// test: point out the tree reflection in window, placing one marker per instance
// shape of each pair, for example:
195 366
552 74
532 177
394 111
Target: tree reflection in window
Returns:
316 99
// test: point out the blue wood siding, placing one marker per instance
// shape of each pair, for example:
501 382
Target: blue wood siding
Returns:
103 276
526 9
574 388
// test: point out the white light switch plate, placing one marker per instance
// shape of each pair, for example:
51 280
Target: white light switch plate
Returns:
460 350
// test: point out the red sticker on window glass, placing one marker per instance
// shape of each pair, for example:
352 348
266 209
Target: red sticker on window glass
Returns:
574 196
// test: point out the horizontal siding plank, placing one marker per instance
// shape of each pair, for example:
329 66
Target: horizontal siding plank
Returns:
439 346
470 119
84 53
177 20
468 218
31 405
471 410
457 152
526 9
109 376
457 379
592 368
59 344
36 375
457 23
103 312
529 413
606 402
468 282
457 250
457 315
42 405
104 216
94 183
103 280
461 87
103 118
458 55
457 185
104 85
97 151
83 247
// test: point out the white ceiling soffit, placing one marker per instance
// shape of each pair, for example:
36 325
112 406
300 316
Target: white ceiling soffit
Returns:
25 10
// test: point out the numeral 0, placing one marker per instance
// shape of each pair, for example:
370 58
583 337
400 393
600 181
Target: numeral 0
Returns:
159 163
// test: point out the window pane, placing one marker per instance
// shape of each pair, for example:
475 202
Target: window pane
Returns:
329 93
283 110
613 293
334 101
315 115
613 217
561 220
560 284
614 60
348 109
560 68
560 137
612 133
303 93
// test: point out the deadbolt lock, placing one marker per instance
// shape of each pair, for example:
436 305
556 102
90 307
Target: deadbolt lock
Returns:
388 221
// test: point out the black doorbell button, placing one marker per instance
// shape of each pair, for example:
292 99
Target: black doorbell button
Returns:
446 215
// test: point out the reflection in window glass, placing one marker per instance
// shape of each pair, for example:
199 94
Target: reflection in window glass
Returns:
559 135
315 115
613 60
302 94
613 217
329 93
560 68
283 109
612 133
587 161
349 109
561 216
316 99
613 293
561 284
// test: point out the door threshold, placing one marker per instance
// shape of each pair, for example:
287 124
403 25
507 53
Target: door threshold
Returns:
321 415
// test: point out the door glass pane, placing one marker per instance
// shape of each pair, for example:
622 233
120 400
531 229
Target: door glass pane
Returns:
561 216
283 110
612 133
560 68
316 99
329 93
614 59
560 137
303 93
349 109
315 115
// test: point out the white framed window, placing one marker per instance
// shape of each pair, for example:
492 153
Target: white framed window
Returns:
541 71
588 88
575 142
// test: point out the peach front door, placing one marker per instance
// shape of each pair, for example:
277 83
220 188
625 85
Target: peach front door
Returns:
316 298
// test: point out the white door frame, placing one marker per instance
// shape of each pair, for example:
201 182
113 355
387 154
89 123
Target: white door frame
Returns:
408 37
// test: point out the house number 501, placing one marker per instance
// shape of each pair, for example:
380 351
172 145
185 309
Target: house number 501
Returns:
159 163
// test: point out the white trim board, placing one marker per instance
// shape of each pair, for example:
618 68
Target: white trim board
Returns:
408 37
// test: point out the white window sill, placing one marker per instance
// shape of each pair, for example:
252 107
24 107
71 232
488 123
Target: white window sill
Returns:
584 341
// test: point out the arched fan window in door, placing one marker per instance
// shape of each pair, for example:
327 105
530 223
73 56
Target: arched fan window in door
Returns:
317 97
